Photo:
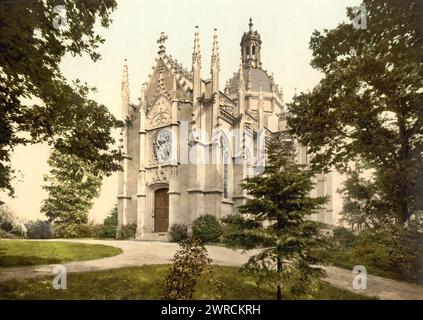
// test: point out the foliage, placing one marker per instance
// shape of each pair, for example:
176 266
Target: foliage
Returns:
15 253
234 228
364 204
390 250
37 104
278 205
189 263
206 228
178 232
39 230
9 224
110 224
368 107
6 235
72 186
126 232
74 230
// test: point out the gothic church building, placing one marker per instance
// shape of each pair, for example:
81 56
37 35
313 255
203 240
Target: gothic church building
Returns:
187 145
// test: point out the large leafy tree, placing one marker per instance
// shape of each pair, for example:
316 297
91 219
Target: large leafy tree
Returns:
72 186
278 206
364 205
37 104
368 107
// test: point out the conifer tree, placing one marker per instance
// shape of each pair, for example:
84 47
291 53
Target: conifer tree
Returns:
275 217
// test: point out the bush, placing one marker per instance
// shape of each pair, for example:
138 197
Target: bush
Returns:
393 252
189 263
206 229
9 224
389 251
6 235
178 232
110 224
77 230
39 230
127 232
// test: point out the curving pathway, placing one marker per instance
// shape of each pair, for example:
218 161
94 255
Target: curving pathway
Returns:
137 253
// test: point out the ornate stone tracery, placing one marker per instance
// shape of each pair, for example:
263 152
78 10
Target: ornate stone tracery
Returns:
160 113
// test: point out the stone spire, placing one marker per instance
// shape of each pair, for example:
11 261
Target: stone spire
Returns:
125 91
215 64
215 61
196 55
241 89
196 83
161 42
196 67
215 68
241 76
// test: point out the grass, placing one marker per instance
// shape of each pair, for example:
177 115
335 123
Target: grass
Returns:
25 253
144 283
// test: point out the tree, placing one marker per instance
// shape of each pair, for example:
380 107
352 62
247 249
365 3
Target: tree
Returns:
364 205
368 106
110 224
71 185
278 205
37 104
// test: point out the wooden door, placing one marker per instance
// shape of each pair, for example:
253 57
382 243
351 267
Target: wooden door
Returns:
161 210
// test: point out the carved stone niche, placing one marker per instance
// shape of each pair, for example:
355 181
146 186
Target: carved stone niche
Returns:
160 113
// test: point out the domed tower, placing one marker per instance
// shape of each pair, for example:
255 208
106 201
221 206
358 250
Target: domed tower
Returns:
250 48
255 79
255 90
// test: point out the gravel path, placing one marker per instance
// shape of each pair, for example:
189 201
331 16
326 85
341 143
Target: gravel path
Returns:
136 253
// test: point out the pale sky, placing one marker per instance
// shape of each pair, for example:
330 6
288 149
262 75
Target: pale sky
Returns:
285 27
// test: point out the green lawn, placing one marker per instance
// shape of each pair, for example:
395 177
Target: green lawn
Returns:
24 253
144 283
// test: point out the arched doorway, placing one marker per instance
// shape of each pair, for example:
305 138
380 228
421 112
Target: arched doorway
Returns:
161 210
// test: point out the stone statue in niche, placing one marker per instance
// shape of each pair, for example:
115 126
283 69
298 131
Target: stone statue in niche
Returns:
162 146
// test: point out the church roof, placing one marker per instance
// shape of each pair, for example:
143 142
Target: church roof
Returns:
253 79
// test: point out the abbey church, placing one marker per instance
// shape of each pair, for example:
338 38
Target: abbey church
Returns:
187 145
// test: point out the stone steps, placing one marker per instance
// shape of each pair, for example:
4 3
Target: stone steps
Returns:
156 236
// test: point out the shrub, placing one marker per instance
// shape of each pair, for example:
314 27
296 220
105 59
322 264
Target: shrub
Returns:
110 224
9 224
206 229
6 235
77 230
127 231
388 251
189 263
178 232
39 230
394 252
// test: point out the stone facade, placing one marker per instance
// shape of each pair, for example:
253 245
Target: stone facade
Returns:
187 145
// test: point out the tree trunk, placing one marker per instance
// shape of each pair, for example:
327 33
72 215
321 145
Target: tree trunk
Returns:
403 161
279 269
402 211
